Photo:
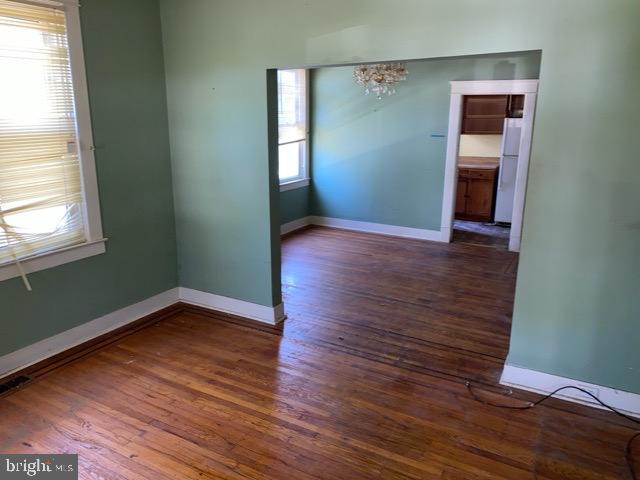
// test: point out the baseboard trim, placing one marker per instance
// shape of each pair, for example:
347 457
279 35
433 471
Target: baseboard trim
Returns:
298 224
79 336
368 227
253 311
235 319
545 383
66 346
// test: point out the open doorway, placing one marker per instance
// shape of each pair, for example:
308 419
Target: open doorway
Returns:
490 128
365 264
487 163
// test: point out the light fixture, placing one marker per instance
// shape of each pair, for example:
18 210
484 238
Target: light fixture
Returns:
380 78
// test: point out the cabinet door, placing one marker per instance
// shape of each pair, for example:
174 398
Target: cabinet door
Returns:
480 199
486 105
484 113
461 196
483 126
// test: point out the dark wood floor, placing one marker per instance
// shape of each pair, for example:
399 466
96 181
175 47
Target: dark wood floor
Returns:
433 308
482 234
366 381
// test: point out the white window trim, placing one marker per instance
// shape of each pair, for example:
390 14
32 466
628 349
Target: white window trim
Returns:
52 259
293 184
288 183
95 244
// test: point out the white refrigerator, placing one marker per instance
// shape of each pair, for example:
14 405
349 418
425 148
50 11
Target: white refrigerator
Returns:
508 169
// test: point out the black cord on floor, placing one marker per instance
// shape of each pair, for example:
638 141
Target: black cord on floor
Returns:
628 454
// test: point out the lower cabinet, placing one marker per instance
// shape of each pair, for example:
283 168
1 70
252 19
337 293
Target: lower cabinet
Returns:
475 197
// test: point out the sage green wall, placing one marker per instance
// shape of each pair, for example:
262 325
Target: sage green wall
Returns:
577 302
295 204
122 43
383 161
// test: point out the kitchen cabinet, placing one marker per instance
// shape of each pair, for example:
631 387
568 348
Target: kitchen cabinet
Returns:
475 196
485 114
516 106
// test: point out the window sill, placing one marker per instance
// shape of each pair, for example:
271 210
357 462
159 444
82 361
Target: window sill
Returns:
303 182
53 259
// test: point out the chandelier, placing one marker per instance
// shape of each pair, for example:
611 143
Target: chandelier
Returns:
380 78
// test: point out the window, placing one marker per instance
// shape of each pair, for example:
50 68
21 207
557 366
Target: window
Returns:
292 128
48 189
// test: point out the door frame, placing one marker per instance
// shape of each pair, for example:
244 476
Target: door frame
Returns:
528 88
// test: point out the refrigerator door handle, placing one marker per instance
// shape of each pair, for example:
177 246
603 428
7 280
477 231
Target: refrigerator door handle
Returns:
500 172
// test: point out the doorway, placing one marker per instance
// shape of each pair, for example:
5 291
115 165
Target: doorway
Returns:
488 148
344 284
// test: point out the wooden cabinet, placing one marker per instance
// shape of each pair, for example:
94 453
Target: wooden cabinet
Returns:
461 196
475 196
485 114
516 106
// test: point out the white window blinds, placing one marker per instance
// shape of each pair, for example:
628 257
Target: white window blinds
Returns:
41 203
292 109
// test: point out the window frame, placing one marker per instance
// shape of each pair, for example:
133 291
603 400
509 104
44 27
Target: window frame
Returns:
304 179
95 241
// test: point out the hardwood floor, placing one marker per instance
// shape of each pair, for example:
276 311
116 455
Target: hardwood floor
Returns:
480 233
366 381
435 308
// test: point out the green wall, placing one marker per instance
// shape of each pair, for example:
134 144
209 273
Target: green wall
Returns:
577 302
383 161
376 160
295 204
122 43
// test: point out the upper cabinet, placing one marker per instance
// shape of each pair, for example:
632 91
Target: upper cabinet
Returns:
485 114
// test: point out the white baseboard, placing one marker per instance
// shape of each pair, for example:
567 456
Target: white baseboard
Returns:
254 311
545 383
379 228
83 333
73 337
514 243
295 225
446 233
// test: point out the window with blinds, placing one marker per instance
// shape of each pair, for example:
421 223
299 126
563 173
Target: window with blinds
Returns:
292 125
41 199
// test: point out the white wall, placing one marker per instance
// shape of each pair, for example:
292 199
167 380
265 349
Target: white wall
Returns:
480 145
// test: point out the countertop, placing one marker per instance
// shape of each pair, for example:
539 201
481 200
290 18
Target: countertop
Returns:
488 163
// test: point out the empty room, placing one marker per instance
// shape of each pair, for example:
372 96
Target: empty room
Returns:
319 239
